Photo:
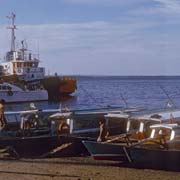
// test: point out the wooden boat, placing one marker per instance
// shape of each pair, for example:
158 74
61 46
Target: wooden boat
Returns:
42 135
86 122
105 151
30 132
33 146
161 150
137 128
113 148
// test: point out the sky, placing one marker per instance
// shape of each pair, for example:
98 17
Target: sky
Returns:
97 37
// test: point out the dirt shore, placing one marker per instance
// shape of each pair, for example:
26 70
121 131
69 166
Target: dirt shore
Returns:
78 168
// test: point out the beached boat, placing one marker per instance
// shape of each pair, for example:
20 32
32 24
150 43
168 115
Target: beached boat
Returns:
22 66
43 127
33 145
13 93
161 150
136 129
113 148
86 121
32 132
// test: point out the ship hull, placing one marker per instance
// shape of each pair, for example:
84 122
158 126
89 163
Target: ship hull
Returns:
56 86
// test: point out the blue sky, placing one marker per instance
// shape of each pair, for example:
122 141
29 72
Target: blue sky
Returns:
98 37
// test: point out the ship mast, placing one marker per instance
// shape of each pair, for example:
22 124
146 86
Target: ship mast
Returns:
13 27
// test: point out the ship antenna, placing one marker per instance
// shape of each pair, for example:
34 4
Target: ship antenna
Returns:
13 27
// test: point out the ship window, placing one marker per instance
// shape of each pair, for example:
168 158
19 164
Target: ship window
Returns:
19 64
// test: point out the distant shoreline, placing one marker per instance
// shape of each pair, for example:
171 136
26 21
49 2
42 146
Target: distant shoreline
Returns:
151 77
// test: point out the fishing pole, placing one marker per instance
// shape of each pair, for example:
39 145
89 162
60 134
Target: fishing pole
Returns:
94 99
169 98
124 100
88 94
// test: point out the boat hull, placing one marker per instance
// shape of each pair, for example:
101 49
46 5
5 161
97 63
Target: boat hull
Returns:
155 158
57 86
105 151
24 96
32 146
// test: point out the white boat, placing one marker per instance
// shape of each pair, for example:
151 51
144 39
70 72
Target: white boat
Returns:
12 93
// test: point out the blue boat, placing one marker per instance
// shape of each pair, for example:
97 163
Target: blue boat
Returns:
138 128
161 150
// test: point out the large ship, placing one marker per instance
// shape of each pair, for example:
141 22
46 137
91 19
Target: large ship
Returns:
21 66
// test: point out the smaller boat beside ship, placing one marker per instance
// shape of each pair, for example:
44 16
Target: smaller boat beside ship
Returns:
12 93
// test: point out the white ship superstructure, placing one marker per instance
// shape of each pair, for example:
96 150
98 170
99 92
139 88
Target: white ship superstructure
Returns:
21 62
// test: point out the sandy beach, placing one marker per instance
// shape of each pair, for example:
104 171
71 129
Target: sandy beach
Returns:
76 168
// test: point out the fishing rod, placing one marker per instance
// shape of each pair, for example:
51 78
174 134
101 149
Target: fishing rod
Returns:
88 94
124 100
169 98
108 106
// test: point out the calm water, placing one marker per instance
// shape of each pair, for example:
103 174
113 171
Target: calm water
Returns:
93 92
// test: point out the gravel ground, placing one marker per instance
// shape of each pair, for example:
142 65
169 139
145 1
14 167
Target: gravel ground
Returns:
77 168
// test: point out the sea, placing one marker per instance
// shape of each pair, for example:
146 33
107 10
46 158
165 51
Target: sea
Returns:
148 92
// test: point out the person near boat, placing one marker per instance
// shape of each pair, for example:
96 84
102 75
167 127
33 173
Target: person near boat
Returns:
2 116
103 133
63 128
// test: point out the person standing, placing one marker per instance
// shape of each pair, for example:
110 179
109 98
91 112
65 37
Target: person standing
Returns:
103 133
2 116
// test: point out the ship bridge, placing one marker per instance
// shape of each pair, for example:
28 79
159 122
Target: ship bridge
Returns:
21 62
